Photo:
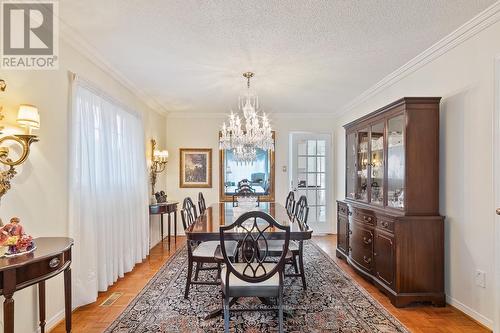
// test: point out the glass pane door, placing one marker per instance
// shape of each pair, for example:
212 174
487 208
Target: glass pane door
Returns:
310 153
362 166
395 162
377 164
351 166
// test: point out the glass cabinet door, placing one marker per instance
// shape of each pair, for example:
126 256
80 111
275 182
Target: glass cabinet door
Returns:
362 165
395 162
351 166
377 164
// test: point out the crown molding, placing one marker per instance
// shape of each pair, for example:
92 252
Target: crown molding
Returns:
277 115
478 23
75 40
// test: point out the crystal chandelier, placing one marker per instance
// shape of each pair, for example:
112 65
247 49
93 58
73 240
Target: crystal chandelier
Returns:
245 136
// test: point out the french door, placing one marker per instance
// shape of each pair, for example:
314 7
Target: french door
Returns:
310 176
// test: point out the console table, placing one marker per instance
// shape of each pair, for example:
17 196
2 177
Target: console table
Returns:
51 257
168 208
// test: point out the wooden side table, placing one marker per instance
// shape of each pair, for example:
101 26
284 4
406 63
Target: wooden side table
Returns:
168 208
51 257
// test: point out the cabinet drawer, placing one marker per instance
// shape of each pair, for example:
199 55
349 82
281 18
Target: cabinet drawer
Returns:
361 246
364 216
40 268
385 224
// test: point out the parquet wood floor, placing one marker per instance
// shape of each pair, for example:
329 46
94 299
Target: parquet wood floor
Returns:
93 318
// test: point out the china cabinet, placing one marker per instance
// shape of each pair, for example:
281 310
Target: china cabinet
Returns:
389 227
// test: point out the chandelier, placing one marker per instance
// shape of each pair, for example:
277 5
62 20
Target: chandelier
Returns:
245 135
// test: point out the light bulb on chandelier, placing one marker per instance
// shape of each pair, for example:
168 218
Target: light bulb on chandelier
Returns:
245 136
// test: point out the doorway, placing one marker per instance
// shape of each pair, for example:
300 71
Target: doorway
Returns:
310 175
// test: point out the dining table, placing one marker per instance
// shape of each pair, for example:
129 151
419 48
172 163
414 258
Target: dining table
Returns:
207 227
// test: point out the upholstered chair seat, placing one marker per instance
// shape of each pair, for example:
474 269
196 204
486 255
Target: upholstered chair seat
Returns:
239 287
208 249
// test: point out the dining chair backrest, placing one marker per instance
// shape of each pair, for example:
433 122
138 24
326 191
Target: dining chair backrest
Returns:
245 188
244 182
302 210
252 229
201 203
189 210
187 218
245 193
290 203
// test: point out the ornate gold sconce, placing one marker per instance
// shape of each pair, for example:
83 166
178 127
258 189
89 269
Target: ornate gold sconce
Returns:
27 117
158 163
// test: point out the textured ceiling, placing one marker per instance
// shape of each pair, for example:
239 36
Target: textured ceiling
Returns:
308 56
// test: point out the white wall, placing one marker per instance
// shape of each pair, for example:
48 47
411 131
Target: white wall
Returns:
196 132
464 77
39 195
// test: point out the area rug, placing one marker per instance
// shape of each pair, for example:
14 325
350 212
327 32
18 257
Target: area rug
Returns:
333 302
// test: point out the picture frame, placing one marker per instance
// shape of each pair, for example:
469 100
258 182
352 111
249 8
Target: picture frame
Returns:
195 168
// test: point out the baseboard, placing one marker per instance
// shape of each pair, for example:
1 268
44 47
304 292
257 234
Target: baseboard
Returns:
488 323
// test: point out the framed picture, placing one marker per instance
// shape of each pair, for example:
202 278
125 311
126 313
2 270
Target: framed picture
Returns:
195 167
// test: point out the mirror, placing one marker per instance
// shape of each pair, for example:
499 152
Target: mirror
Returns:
259 174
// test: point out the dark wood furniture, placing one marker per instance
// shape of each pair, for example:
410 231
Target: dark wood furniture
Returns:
51 257
389 227
254 276
169 207
207 225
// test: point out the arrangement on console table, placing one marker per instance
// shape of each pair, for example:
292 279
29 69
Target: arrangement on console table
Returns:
389 227
13 240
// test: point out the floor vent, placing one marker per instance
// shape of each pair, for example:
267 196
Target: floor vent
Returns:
111 299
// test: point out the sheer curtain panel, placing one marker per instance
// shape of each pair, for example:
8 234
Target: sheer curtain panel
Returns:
108 203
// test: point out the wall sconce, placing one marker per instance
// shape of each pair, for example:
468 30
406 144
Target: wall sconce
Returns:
29 118
158 163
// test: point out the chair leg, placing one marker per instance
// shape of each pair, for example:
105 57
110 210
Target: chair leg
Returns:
294 263
280 309
198 266
301 266
188 280
226 314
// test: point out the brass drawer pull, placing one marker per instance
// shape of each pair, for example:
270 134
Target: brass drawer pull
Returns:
385 224
367 260
367 218
367 241
54 262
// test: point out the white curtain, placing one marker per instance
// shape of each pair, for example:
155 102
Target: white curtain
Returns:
108 203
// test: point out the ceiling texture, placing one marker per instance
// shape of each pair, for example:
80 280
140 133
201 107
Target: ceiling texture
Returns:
308 56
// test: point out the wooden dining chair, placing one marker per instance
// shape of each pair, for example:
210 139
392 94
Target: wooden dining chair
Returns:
201 203
275 247
245 193
201 253
253 276
290 203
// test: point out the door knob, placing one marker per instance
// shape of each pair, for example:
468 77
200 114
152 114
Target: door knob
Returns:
498 211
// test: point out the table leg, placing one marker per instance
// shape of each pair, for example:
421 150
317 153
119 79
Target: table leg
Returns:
41 305
9 286
168 231
8 314
67 298
161 226
175 226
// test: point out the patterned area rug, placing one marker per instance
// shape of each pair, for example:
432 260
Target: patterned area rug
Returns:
333 302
